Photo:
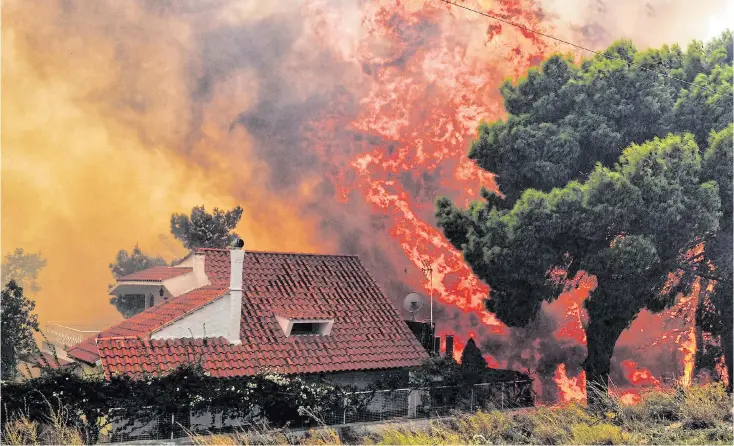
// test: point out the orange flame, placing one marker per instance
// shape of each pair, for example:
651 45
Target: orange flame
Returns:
570 389
722 371
629 398
687 339
638 376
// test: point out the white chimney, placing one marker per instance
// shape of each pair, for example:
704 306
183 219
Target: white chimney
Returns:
237 258
199 270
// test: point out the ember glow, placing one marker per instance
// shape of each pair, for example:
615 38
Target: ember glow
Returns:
570 388
629 399
336 124
687 338
638 376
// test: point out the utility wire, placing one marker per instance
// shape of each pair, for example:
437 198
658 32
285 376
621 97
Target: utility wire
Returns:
599 53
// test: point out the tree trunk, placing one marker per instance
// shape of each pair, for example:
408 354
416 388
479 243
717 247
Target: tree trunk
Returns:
601 337
727 343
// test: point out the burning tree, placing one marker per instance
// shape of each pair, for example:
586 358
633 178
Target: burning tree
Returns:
715 313
570 206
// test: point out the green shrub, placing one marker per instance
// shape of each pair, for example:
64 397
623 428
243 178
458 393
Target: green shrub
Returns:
323 436
655 406
546 426
720 434
20 431
438 435
490 425
602 433
705 406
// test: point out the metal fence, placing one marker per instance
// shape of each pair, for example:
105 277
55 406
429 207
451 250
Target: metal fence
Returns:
504 395
358 407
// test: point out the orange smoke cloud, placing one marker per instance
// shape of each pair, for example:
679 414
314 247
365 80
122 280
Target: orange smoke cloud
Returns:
97 113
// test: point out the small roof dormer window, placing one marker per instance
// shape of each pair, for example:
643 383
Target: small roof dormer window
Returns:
294 326
306 328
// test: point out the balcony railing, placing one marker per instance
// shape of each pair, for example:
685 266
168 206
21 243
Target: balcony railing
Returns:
64 334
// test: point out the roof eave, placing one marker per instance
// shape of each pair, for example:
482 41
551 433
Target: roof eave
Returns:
139 283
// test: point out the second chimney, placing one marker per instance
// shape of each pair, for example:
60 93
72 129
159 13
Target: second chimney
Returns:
237 259
449 346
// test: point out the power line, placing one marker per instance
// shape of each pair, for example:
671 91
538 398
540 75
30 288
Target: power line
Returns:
599 53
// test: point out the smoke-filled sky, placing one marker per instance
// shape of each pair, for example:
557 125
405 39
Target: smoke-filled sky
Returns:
116 114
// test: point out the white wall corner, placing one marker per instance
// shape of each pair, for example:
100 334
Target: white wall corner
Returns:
204 322
327 328
285 324
199 266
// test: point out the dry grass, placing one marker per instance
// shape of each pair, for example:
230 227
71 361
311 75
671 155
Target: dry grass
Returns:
255 436
20 431
57 431
705 406
697 415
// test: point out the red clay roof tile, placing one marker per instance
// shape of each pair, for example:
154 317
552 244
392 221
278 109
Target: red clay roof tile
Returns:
368 332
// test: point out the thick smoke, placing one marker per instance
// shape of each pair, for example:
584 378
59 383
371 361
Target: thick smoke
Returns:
117 114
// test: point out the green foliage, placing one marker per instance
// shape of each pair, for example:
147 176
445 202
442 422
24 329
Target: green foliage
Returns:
205 230
564 118
716 309
575 424
706 106
437 369
656 405
18 325
602 433
23 268
267 397
128 263
594 184
134 261
57 430
704 406
473 364
629 226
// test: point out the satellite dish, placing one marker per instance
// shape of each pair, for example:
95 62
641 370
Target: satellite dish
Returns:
412 303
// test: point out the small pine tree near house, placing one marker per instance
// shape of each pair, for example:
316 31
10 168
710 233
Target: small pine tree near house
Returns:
202 229
473 364
18 325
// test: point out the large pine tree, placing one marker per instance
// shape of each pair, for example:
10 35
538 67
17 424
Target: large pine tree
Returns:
587 187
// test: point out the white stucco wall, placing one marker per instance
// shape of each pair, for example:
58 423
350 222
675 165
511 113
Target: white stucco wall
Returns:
208 321
182 284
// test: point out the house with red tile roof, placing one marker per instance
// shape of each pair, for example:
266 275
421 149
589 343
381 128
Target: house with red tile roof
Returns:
30 364
242 312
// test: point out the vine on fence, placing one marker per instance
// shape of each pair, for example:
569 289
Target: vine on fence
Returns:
95 402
